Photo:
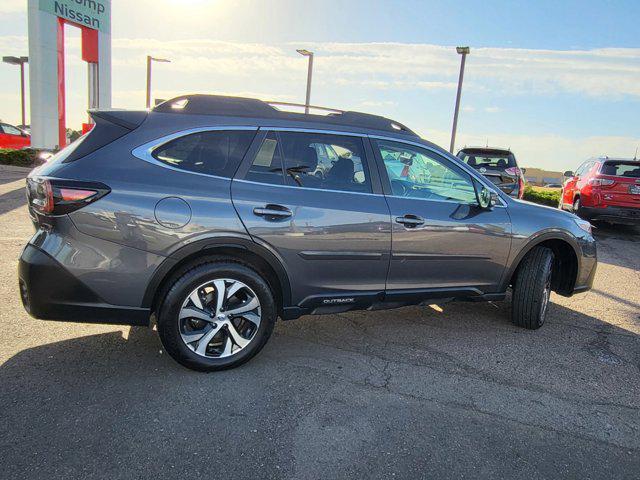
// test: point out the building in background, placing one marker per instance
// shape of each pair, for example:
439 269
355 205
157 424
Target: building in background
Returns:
47 21
540 178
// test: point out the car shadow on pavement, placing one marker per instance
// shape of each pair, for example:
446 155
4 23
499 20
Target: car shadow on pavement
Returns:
12 199
619 232
4 178
102 400
115 406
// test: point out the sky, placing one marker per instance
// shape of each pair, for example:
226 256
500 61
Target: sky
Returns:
555 81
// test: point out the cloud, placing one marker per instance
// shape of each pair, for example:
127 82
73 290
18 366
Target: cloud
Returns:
379 103
406 66
376 77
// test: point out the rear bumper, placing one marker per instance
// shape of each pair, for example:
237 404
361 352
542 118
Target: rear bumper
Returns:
624 215
49 292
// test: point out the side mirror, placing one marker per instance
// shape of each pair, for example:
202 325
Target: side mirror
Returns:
568 174
523 170
483 195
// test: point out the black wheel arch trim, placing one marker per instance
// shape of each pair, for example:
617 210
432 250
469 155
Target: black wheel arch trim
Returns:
213 244
535 240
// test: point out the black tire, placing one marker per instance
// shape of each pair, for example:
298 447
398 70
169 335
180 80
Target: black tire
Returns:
184 283
532 289
577 207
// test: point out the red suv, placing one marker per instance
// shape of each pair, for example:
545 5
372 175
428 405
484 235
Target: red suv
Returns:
13 137
604 189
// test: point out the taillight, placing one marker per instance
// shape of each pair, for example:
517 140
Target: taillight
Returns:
601 182
49 196
520 187
513 171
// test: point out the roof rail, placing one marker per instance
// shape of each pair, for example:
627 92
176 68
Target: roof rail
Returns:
302 105
200 104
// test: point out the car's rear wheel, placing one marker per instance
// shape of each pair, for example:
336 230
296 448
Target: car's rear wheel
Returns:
216 316
532 289
577 206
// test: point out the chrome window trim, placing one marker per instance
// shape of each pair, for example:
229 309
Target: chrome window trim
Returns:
348 192
462 165
314 130
145 151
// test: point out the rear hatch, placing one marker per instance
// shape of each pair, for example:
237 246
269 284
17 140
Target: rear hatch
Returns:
52 192
498 166
620 183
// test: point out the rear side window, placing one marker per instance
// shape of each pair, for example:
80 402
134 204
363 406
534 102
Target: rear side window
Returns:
584 169
621 169
11 130
211 152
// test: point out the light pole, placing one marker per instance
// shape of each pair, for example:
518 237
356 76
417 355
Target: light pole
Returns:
149 60
464 51
307 53
19 61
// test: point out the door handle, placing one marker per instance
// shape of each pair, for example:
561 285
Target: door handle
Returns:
271 210
410 221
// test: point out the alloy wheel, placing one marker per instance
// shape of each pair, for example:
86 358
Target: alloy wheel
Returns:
219 318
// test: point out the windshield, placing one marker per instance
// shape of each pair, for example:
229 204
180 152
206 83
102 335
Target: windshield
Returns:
621 169
488 159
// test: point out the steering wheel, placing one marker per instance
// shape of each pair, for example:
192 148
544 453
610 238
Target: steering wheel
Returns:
398 187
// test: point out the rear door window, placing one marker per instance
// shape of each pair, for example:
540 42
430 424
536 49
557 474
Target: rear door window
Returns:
216 152
341 164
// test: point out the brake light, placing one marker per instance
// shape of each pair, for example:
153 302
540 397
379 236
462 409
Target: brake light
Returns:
73 195
520 187
57 197
601 182
513 171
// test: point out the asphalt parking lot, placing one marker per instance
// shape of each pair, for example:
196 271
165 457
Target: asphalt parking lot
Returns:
409 393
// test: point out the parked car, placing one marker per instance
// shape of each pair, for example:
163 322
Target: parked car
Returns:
553 185
498 165
207 213
604 189
12 137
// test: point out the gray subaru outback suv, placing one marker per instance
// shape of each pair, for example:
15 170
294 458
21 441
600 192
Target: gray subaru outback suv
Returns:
208 215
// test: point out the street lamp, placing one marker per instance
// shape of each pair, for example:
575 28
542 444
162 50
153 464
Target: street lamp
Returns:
149 60
307 53
19 61
464 51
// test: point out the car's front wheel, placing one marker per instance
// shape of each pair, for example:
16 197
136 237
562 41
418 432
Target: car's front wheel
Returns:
216 316
532 289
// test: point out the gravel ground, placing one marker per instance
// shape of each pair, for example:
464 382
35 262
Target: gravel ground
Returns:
408 393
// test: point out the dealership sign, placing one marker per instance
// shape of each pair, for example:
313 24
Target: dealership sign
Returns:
93 14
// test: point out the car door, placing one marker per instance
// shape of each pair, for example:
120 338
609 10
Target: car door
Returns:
574 184
441 238
12 137
332 232
5 139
